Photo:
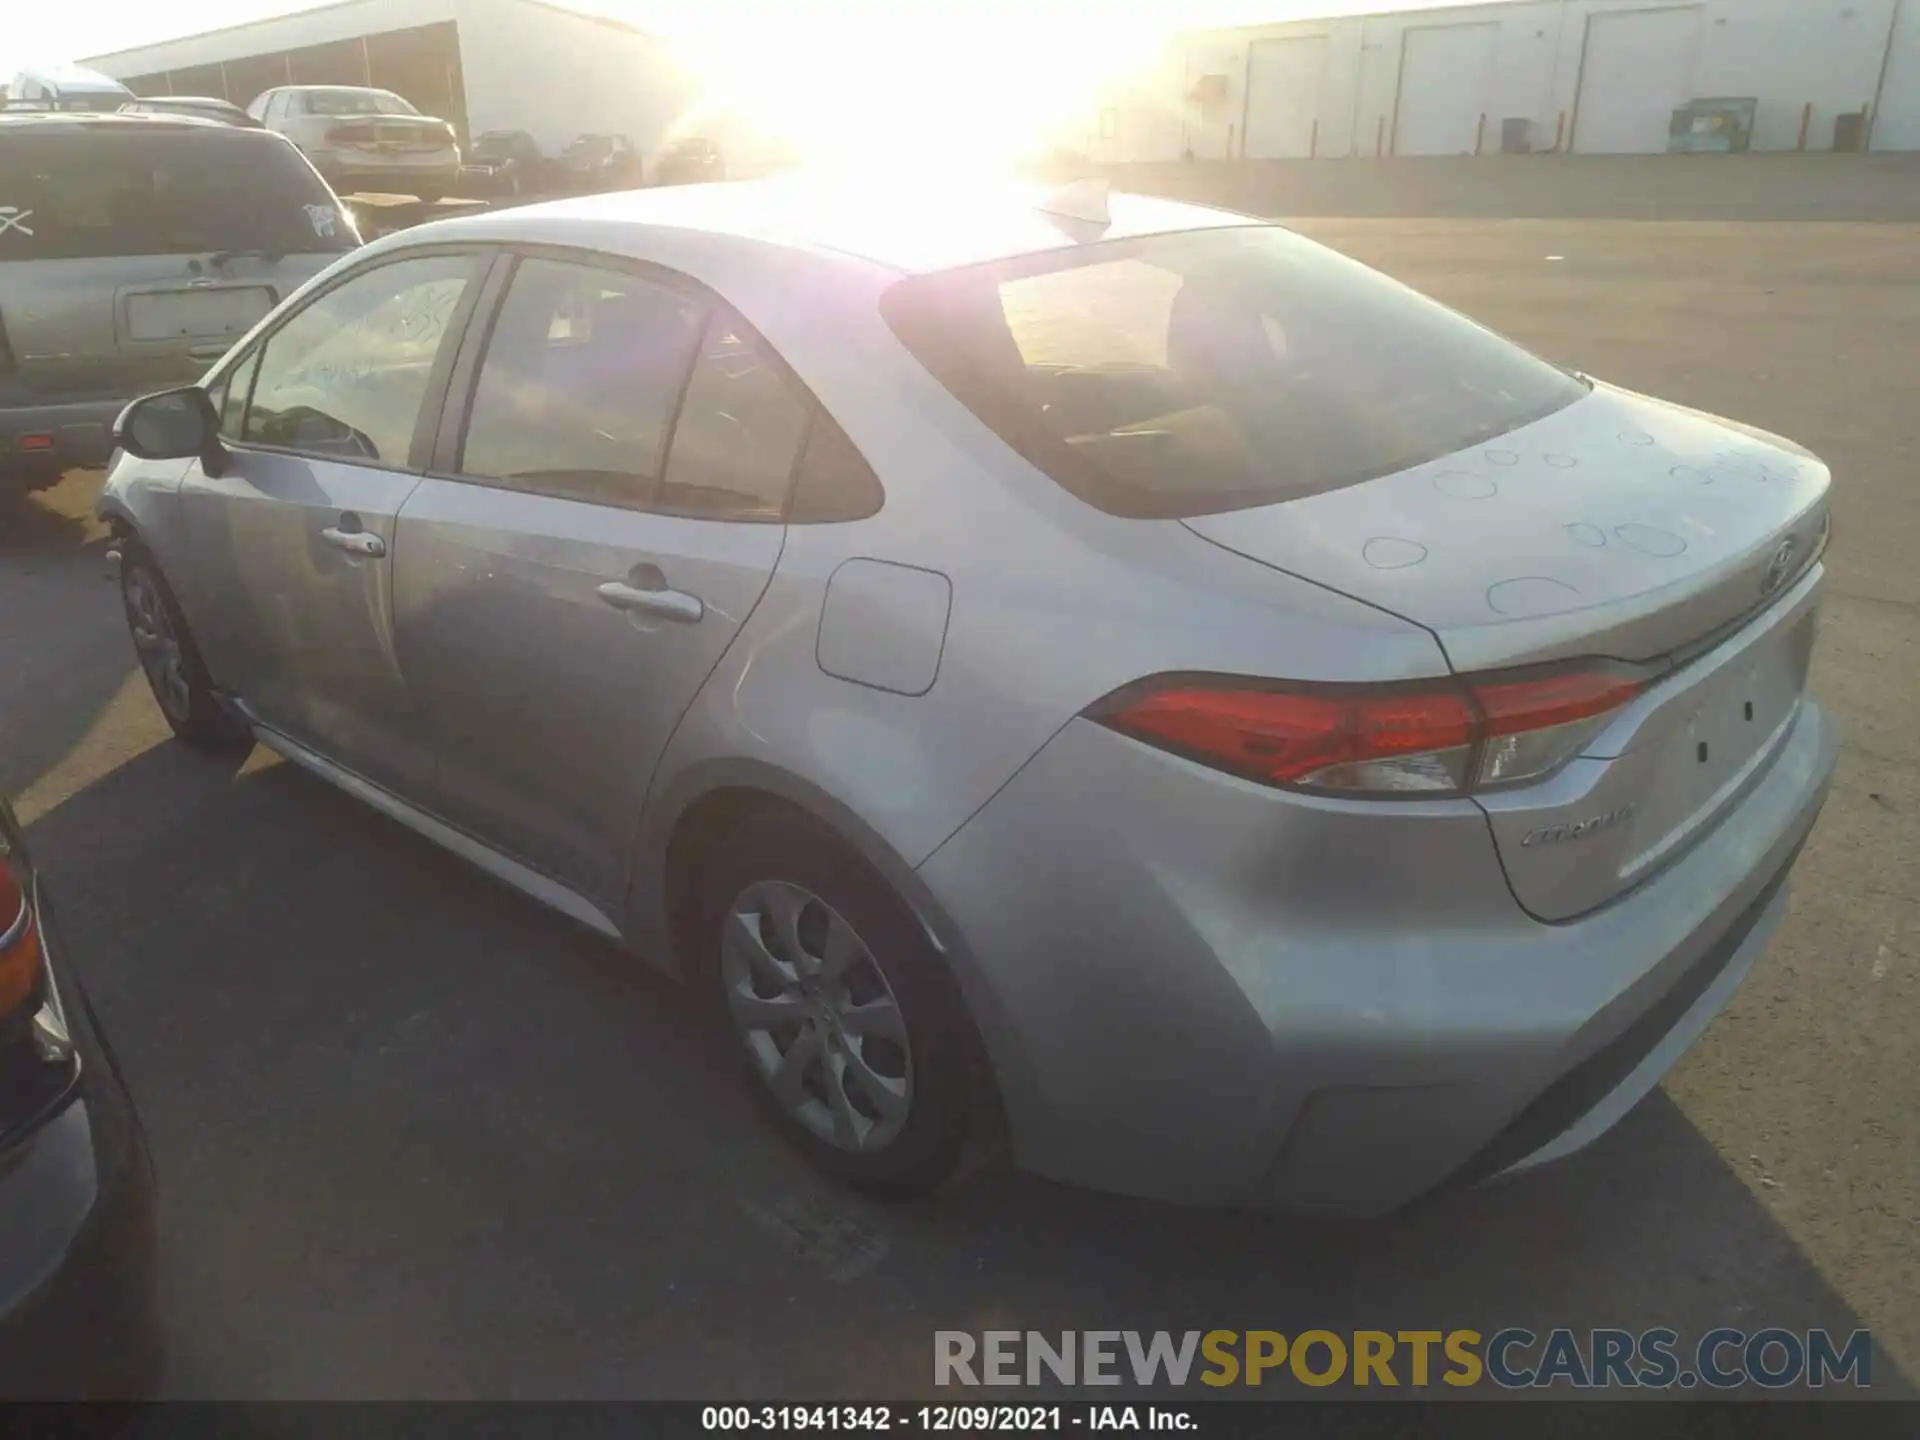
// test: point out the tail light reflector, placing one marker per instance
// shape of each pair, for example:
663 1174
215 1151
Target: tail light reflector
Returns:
1431 739
19 946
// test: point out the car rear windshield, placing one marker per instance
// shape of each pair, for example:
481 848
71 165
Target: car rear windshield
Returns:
165 191
357 102
1214 370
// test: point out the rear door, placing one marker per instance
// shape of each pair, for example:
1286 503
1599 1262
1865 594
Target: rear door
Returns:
292 543
567 583
134 254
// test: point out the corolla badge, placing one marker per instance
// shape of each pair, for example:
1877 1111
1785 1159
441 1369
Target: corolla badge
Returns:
1578 829
1780 566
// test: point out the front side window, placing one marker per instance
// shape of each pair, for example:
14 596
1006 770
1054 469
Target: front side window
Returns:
578 388
1215 370
740 430
345 377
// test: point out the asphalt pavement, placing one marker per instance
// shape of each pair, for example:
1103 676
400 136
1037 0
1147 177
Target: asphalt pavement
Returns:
419 1138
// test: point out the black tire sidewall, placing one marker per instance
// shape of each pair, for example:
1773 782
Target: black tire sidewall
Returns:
781 846
207 725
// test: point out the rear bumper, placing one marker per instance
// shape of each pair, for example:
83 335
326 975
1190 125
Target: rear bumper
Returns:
81 434
77 1236
1198 989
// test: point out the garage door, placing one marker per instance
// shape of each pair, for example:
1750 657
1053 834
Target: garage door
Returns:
1283 96
1446 76
1637 69
1898 125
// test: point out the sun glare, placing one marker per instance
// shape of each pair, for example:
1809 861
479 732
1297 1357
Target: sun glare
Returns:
913 83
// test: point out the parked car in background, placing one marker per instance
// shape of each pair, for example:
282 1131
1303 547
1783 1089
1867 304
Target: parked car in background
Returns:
78 1319
593 163
1097 663
364 139
66 88
134 251
689 161
503 162
199 107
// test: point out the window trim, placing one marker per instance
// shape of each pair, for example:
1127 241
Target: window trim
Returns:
484 256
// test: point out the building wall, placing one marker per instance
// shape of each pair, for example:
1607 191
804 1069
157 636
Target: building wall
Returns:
1786 54
483 64
557 73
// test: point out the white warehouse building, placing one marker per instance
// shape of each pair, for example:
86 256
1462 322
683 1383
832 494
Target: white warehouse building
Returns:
1580 76
551 70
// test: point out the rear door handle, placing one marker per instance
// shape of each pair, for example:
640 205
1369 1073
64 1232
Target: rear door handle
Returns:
355 542
667 604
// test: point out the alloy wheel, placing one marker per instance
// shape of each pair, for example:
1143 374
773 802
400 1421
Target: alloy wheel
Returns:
819 1020
157 645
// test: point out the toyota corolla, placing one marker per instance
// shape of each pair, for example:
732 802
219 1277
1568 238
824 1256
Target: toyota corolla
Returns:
1077 672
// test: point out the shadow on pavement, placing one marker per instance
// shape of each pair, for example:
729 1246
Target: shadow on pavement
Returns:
64 653
417 1137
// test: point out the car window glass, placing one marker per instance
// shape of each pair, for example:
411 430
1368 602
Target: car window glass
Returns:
740 430
346 376
1201 372
579 384
168 191
835 481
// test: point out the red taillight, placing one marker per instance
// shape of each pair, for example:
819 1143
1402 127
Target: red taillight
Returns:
1427 739
1512 706
1286 736
19 946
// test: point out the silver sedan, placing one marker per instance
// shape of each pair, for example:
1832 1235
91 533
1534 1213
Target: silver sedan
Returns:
1069 673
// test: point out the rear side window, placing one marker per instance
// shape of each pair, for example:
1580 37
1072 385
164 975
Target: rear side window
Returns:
1216 370
577 391
102 194
739 433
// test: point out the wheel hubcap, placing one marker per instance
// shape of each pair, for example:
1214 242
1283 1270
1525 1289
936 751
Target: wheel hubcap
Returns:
157 645
817 1015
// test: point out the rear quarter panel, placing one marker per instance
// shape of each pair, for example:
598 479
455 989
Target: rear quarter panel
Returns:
1053 606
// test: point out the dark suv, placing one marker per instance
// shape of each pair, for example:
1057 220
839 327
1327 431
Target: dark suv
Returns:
134 251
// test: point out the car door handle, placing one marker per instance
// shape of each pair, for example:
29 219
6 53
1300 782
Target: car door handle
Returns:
355 542
667 604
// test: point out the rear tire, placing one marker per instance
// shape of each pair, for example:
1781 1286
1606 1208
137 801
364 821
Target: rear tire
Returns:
168 656
854 1035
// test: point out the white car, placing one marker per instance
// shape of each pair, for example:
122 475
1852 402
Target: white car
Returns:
362 139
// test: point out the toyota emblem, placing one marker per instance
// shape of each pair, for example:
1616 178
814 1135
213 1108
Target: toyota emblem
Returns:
1780 566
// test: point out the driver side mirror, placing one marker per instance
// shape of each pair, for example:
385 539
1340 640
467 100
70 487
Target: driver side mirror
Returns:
173 425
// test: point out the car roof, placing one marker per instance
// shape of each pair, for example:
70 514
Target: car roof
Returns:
905 228
213 100
81 122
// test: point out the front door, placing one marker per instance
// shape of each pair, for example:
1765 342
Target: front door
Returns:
560 603
293 542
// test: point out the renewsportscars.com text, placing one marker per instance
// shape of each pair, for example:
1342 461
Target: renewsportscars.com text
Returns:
1513 1358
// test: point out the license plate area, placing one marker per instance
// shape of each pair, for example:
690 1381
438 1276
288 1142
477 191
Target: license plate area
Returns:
209 314
1725 729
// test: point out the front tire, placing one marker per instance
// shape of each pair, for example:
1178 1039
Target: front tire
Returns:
852 1029
171 661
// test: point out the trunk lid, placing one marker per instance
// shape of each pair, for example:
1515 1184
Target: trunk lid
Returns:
1620 527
